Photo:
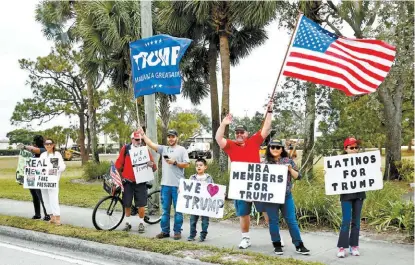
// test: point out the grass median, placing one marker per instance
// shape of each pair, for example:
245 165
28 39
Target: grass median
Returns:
201 252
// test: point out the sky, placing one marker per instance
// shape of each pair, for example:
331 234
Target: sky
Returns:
251 81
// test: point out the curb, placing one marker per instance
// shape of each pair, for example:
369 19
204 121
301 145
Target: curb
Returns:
111 251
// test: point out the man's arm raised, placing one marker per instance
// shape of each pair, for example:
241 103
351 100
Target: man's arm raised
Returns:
148 141
221 131
266 129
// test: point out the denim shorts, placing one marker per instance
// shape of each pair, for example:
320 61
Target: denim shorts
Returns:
242 207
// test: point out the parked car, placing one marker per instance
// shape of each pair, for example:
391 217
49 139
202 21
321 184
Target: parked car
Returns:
196 150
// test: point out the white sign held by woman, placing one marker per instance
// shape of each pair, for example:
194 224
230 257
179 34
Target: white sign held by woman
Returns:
139 159
353 173
40 174
258 182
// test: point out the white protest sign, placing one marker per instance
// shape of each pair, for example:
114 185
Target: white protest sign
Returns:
258 182
201 198
40 174
139 159
353 173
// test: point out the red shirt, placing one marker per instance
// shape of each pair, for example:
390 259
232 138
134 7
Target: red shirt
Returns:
125 160
245 153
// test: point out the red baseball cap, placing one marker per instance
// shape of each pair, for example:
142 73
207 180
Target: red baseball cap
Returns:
136 135
350 141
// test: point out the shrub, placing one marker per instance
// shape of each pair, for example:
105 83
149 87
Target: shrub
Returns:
7 152
93 170
406 169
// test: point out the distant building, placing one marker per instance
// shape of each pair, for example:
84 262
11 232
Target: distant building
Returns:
200 137
4 144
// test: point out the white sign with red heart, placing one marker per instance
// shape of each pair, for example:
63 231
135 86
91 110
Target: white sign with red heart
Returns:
201 198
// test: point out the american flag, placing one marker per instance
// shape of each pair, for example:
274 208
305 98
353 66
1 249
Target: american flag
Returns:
354 66
116 176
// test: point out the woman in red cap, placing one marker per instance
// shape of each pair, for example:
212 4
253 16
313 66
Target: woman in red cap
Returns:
352 204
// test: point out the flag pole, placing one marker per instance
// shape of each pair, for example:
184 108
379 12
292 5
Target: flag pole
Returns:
283 62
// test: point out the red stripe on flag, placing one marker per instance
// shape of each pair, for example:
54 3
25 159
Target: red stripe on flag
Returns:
357 64
367 51
319 81
335 63
372 63
329 73
376 42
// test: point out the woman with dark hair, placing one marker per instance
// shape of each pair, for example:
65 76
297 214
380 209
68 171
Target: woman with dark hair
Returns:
276 154
352 204
51 196
36 150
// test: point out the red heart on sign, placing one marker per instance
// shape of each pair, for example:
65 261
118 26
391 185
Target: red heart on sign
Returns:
212 189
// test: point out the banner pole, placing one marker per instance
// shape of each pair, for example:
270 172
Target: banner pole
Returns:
283 62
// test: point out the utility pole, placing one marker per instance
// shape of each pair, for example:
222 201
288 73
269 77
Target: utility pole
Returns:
149 100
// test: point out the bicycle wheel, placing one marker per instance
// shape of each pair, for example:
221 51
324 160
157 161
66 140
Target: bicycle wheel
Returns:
153 215
108 213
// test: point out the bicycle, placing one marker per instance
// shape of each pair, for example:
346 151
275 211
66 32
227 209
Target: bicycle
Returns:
109 211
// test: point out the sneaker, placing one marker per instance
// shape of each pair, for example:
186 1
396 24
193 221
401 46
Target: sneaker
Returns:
354 251
277 248
245 243
177 236
201 239
46 218
341 253
302 250
162 235
191 238
127 227
141 228
36 217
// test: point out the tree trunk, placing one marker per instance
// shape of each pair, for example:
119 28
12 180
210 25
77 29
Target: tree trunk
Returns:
392 107
214 100
310 112
410 146
81 138
88 134
92 121
226 72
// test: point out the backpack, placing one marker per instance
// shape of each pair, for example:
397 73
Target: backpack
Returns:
127 150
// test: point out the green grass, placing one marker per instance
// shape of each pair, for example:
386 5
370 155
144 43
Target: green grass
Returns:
212 254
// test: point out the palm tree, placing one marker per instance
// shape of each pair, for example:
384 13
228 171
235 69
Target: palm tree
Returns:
198 20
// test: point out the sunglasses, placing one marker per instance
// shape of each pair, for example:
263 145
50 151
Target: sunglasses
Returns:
239 132
48 143
137 139
273 147
354 148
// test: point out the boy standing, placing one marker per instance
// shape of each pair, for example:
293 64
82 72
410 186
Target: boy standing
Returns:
201 166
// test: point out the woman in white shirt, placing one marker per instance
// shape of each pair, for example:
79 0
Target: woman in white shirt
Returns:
51 196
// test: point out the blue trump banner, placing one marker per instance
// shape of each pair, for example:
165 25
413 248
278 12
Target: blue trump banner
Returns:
155 64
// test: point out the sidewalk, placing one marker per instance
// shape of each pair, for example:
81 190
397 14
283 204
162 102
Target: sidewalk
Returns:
322 245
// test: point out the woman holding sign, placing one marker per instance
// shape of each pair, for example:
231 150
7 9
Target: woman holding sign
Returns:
352 204
56 166
276 154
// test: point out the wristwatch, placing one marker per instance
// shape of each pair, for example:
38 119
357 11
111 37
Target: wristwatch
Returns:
175 163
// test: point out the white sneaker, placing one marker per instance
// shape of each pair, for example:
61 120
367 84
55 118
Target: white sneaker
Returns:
354 251
245 243
282 242
341 253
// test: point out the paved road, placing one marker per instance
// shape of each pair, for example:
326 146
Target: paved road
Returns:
15 252
322 245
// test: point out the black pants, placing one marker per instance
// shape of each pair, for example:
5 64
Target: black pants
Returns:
37 200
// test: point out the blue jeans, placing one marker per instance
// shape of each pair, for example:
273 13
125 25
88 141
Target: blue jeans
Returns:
288 210
193 224
351 211
169 196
